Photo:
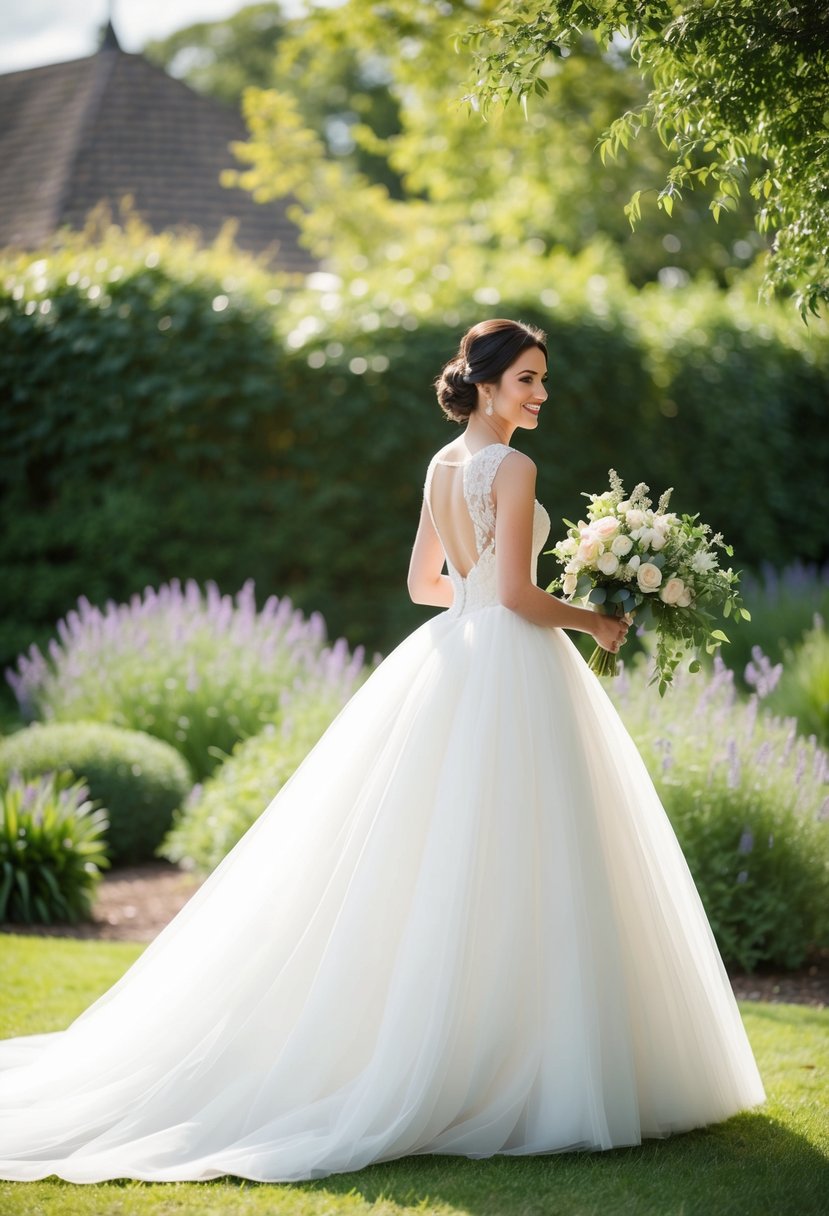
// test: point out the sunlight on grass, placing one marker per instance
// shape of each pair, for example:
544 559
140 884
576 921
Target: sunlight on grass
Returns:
761 1163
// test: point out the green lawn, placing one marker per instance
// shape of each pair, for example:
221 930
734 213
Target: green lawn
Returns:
770 1163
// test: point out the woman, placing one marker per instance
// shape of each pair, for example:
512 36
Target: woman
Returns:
464 926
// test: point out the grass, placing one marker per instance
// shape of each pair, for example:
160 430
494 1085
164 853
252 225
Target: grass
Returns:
757 1164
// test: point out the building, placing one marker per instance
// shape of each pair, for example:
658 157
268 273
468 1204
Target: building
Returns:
112 125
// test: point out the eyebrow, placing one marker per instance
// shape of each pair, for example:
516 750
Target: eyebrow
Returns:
532 371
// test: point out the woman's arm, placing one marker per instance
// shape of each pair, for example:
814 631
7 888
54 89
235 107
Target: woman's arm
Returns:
514 494
426 583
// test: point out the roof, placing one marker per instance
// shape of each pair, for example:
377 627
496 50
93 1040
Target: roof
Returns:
113 125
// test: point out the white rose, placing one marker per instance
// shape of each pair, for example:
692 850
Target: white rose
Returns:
569 584
684 600
671 591
657 539
633 564
608 563
621 546
623 506
648 576
635 518
605 527
588 550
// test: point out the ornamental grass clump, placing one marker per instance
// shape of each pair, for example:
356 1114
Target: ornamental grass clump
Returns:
198 670
747 797
52 850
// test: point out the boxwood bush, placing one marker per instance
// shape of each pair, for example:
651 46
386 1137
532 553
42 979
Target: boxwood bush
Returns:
139 780
52 850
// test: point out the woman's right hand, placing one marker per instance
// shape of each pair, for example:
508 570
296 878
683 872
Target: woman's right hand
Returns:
609 631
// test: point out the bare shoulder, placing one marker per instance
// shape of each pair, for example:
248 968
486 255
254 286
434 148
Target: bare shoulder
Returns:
519 471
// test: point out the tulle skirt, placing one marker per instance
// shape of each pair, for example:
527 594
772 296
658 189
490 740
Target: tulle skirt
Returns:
465 926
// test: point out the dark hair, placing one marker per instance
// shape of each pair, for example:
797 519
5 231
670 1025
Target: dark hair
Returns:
485 353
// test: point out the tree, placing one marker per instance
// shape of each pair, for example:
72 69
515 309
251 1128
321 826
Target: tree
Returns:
522 186
738 92
222 58
261 47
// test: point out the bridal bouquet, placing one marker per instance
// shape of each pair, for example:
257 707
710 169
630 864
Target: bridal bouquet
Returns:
655 566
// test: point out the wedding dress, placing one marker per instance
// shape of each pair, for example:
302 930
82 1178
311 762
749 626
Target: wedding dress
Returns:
465 926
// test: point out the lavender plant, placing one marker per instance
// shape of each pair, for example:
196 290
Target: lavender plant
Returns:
198 670
783 604
747 797
803 691
51 849
218 812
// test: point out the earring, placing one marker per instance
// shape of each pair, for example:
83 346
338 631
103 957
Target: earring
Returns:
489 409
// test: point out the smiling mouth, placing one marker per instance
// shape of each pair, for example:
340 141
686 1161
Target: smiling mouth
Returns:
533 409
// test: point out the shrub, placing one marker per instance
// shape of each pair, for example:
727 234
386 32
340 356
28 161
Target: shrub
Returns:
51 850
218 813
200 672
139 780
748 801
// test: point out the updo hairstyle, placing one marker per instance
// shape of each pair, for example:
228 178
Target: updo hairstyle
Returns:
485 353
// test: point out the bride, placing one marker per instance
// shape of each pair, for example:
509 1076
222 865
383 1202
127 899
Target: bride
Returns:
465 926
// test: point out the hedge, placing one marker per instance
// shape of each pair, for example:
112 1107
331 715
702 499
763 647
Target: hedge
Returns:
174 413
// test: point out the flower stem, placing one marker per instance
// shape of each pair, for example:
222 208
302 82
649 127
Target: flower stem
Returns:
603 662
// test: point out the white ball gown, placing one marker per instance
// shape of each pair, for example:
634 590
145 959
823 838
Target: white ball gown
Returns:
465 926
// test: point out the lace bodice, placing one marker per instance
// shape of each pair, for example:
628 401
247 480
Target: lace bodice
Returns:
478 588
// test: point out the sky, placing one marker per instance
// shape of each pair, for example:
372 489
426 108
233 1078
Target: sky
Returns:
34 32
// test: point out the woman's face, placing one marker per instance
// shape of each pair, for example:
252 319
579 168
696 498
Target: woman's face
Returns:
520 393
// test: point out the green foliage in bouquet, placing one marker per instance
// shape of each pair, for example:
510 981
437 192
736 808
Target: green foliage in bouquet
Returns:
52 849
140 780
653 566
747 799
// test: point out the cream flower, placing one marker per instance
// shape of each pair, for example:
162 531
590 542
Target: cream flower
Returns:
648 576
608 563
621 546
684 600
635 518
605 527
588 550
569 584
671 592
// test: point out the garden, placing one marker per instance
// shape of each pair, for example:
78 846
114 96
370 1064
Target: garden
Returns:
210 478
